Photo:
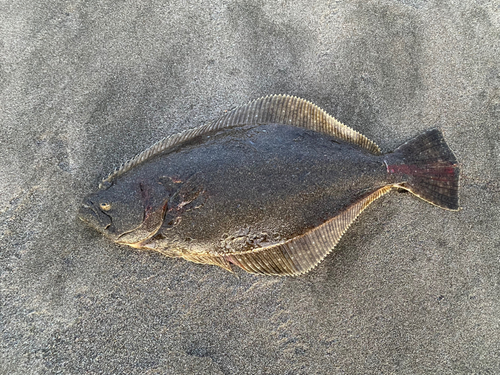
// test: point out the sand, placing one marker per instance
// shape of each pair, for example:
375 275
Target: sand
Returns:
411 288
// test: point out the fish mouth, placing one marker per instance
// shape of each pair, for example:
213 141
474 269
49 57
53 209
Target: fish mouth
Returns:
89 214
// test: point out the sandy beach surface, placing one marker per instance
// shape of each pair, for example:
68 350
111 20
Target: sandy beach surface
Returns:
84 86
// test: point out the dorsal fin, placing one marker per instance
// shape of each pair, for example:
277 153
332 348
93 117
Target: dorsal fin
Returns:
272 109
298 255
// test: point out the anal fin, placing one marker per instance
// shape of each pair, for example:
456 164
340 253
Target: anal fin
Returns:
301 254
206 258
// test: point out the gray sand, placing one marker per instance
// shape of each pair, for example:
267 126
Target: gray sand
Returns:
411 288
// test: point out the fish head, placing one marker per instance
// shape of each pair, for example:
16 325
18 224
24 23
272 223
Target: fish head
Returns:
124 212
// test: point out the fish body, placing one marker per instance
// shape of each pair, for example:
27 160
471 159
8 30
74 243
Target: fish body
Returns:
270 187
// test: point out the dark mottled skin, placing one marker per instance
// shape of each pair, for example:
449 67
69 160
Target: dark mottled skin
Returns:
248 186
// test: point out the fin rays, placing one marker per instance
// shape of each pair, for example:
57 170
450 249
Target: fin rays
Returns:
298 255
273 109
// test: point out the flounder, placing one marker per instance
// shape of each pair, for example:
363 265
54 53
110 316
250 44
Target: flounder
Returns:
270 187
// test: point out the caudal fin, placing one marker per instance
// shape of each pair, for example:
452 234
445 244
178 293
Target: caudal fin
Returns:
429 169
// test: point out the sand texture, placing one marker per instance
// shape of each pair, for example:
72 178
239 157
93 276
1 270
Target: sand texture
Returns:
84 86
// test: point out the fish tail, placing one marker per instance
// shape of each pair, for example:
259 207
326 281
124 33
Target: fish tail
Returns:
428 169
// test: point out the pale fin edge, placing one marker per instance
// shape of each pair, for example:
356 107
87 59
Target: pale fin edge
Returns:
206 258
291 110
271 109
202 258
298 255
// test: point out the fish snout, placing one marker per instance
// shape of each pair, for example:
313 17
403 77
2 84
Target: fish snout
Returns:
93 216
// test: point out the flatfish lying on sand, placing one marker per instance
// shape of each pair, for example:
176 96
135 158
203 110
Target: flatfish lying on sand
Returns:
270 187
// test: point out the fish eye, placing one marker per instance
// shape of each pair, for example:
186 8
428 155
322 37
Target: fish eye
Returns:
105 206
